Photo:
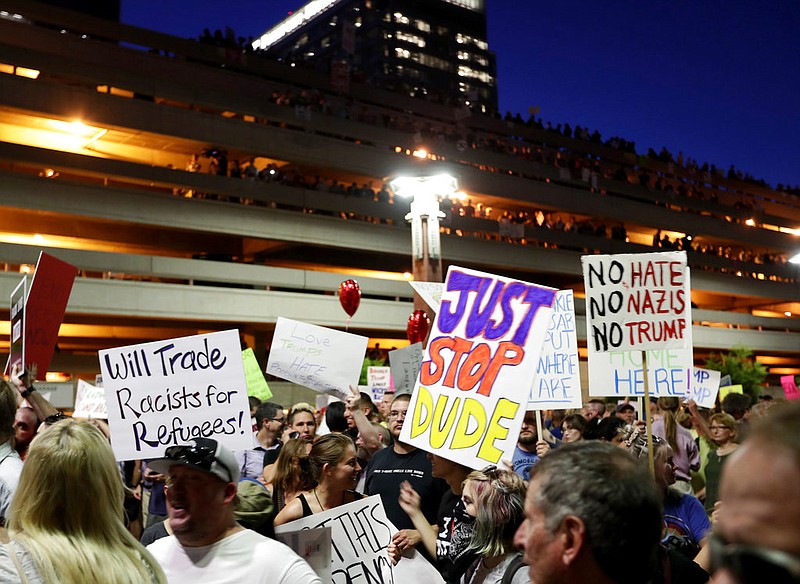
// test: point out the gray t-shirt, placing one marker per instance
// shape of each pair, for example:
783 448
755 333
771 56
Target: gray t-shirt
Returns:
8 569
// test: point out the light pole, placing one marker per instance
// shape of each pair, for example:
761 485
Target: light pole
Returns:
424 218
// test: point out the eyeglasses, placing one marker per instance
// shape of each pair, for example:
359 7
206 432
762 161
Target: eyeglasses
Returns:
281 421
201 454
58 416
749 563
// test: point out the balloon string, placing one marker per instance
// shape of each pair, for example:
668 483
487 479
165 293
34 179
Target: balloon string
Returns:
347 324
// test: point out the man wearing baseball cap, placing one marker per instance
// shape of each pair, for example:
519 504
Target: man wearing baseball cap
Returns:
208 544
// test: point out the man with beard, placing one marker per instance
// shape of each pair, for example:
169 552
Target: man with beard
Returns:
529 447
391 466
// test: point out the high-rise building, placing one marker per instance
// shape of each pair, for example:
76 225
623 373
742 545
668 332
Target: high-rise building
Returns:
433 48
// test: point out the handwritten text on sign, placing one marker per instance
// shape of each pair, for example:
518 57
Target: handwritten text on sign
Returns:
405 364
316 357
558 382
360 534
166 392
621 373
636 301
705 387
476 374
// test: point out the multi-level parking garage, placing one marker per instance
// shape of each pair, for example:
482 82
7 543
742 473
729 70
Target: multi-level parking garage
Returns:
98 121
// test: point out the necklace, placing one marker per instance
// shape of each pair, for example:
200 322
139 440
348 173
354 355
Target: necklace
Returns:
321 506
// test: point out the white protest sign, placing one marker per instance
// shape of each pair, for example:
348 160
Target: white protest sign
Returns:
360 534
164 393
314 546
705 386
475 379
621 373
636 302
379 380
430 292
322 359
558 382
405 364
90 401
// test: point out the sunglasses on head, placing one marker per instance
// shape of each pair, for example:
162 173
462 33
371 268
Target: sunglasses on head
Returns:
749 564
201 454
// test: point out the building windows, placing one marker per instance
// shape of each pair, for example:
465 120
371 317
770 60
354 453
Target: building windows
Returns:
410 38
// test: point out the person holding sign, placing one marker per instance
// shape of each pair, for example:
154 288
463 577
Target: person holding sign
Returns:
208 545
66 518
333 469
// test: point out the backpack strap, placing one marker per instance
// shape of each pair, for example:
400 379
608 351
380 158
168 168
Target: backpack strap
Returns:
512 568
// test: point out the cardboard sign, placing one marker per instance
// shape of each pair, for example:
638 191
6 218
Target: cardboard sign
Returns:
789 387
636 302
16 350
314 546
704 387
90 401
44 309
430 292
322 359
360 534
163 393
379 380
621 373
558 382
723 391
257 386
405 364
475 379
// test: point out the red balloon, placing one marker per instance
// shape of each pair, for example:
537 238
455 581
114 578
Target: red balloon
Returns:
418 324
349 296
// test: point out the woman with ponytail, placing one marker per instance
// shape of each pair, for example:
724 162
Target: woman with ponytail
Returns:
686 455
332 469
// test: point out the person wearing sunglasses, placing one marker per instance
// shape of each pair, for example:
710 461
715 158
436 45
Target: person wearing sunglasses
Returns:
756 534
208 545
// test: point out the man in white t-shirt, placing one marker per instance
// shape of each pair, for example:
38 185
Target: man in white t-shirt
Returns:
208 544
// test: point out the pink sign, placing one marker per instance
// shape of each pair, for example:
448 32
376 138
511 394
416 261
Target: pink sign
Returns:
789 387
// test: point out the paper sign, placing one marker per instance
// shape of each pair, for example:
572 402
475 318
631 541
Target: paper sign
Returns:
16 350
314 546
405 364
704 387
430 292
90 401
322 359
360 534
621 373
379 380
723 391
44 310
789 387
257 386
475 379
558 382
163 393
636 302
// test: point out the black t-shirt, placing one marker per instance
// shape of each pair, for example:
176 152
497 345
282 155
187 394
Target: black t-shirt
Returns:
387 469
453 538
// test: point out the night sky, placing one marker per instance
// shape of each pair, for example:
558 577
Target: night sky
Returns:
717 80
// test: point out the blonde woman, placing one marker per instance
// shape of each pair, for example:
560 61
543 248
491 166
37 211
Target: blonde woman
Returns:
685 452
66 518
723 432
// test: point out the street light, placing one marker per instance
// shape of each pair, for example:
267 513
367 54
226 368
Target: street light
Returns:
424 218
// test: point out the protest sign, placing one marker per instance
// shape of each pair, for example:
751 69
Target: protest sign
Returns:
704 387
621 373
558 382
636 302
90 401
789 387
257 386
322 359
723 391
314 546
44 310
379 380
476 375
360 534
405 364
16 349
430 292
163 393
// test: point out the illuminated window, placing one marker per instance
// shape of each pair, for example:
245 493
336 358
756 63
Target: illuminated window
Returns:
402 53
410 38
